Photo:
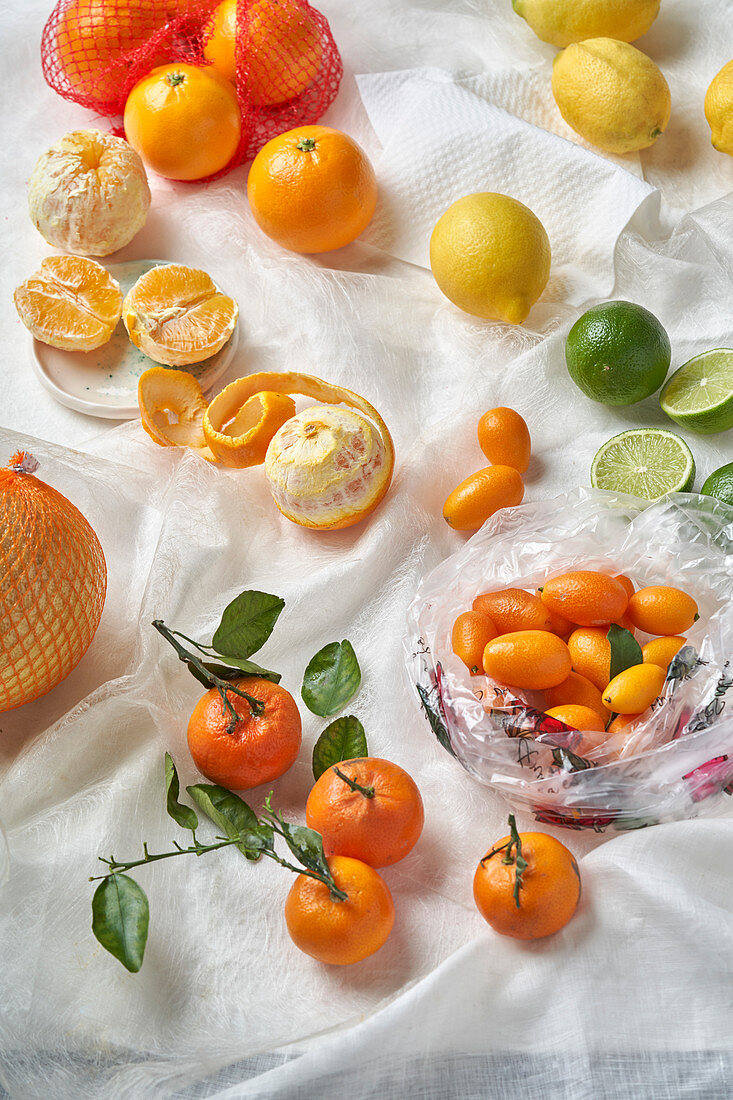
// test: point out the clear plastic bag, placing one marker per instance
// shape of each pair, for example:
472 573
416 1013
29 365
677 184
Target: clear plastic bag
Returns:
678 761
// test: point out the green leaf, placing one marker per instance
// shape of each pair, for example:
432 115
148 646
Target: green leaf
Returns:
435 718
625 650
236 668
307 847
331 679
120 918
233 816
344 739
247 623
182 815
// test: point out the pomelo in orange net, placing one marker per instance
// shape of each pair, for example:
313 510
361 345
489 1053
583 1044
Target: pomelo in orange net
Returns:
53 581
287 68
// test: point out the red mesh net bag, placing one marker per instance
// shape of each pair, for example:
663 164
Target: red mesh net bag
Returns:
279 54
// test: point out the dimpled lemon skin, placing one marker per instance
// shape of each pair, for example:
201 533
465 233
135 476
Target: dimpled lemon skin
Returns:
719 109
564 21
491 256
612 94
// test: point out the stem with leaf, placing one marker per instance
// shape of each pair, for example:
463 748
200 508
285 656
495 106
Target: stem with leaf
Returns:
512 855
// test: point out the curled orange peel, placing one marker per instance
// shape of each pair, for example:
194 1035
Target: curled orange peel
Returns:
229 408
172 407
243 441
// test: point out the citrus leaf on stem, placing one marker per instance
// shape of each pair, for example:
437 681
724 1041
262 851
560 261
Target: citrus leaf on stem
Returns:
237 668
625 650
307 846
246 623
120 918
234 817
182 815
331 679
344 739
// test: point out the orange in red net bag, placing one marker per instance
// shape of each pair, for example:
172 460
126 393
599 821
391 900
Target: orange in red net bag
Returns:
279 54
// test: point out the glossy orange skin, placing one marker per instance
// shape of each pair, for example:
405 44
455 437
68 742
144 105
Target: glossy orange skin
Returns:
662 610
590 651
312 199
586 597
379 830
513 609
548 896
622 721
626 583
259 749
340 932
504 438
532 659
634 689
660 651
185 130
576 716
480 495
577 690
471 633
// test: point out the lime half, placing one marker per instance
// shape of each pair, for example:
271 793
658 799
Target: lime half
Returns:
699 395
647 462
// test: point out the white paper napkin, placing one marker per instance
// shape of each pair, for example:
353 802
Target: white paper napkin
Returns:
442 141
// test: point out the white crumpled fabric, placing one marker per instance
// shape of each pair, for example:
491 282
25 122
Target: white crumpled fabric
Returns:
633 997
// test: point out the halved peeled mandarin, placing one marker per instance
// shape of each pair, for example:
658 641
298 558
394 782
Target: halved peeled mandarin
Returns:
70 303
327 467
172 407
177 315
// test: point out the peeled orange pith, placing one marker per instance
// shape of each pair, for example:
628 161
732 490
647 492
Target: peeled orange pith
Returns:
70 303
327 467
177 315
172 407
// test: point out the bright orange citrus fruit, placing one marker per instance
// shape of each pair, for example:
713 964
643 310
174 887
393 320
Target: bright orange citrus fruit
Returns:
532 659
660 609
480 495
586 597
70 303
513 609
471 633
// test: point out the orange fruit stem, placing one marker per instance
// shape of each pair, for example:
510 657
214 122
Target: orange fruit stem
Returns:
514 842
368 792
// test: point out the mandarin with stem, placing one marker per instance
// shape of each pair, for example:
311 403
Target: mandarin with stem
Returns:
471 633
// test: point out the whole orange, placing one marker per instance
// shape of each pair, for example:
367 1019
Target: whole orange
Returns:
280 42
578 690
662 610
379 823
503 436
533 659
586 597
184 121
590 651
513 609
480 495
577 717
340 932
256 748
660 651
548 893
312 189
470 635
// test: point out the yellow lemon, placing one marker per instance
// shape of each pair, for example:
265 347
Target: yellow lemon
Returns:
634 689
719 109
491 256
611 94
564 21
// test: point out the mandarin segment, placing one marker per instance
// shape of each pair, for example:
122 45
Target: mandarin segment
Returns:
70 303
634 689
586 597
663 610
177 316
340 932
504 438
513 609
471 633
378 827
532 659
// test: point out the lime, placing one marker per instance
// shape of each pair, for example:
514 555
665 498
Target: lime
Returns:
699 395
647 462
720 484
618 353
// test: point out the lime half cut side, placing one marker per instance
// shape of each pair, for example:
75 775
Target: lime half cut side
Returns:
646 462
699 395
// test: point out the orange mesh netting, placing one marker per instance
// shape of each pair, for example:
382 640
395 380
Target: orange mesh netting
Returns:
286 66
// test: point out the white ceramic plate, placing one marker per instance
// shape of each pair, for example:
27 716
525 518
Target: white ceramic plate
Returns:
104 382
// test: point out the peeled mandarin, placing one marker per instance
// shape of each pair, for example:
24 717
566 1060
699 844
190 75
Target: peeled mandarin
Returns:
70 303
660 651
660 609
503 436
532 659
513 609
577 717
477 498
577 690
586 597
634 689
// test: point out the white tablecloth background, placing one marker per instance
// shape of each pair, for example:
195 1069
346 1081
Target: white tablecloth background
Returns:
633 998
